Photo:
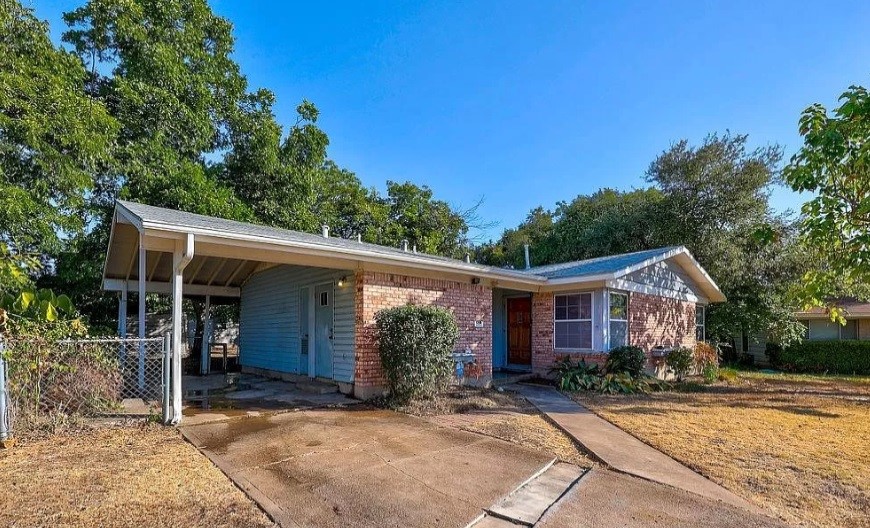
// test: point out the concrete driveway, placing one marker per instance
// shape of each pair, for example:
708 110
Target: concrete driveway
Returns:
606 499
360 466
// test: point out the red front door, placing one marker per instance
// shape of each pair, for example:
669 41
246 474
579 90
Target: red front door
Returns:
519 313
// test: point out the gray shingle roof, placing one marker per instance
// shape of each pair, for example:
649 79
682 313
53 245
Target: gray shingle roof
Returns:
597 266
173 218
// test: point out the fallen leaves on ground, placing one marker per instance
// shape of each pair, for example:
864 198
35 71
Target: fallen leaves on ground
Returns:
141 475
797 446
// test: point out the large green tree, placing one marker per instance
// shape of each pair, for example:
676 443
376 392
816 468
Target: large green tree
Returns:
834 164
712 198
187 133
53 136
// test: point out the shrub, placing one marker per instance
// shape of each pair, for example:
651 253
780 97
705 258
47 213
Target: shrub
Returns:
626 359
773 351
575 376
679 361
727 374
710 373
705 356
416 345
834 357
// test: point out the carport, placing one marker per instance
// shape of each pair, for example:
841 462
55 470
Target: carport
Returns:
156 250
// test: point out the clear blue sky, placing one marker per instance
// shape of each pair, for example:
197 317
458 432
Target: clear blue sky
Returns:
529 103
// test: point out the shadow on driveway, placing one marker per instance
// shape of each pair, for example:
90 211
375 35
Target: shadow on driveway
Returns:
360 466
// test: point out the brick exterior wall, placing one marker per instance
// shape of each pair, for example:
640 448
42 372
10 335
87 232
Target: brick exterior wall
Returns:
652 321
376 291
544 354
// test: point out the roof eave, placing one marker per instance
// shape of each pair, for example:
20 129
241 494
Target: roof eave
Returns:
409 260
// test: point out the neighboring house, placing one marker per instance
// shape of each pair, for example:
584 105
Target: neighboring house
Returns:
818 327
308 302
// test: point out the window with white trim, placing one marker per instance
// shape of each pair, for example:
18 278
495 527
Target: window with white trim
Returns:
618 319
700 323
573 321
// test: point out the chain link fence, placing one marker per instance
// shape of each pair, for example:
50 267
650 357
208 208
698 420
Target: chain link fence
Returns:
47 385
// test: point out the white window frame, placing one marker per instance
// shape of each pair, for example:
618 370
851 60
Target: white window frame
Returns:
591 321
610 319
703 311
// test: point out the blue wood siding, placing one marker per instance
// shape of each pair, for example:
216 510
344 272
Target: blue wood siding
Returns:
269 336
499 329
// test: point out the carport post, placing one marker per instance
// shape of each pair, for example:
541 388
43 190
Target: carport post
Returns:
167 365
122 324
141 311
181 257
5 426
205 357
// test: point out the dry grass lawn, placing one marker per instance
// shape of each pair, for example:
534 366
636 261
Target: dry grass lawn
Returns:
500 415
132 476
798 446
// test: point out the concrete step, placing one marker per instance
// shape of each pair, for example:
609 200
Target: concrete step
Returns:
529 502
316 387
501 379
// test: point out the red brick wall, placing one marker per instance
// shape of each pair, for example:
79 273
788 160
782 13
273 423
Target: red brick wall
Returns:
376 291
652 321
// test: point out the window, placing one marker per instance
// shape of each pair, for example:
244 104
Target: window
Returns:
324 298
825 329
573 321
850 331
618 319
700 323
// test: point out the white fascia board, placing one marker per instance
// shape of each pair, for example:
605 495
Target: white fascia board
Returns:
166 288
253 241
707 283
579 281
111 239
636 287
128 216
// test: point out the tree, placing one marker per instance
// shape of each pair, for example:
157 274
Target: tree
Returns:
430 225
834 163
53 137
712 198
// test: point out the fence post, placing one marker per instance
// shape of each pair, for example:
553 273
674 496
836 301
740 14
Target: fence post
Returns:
5 426
167 346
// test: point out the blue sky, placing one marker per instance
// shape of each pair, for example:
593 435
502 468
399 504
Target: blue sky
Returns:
529 103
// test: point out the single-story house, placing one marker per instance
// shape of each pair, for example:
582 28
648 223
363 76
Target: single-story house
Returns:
818 327
308 301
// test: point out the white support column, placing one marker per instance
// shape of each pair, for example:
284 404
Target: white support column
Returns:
122 326
205 357
141 311
181 257
122 313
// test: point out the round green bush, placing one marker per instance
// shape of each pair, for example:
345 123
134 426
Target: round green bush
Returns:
416 345
680 361
626 359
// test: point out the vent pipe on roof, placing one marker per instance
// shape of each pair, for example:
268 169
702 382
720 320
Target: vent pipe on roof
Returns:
468 258
414 248
324 230
405 245
359 237
526 250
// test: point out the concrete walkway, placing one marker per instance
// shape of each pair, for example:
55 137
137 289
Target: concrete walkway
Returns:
619 450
